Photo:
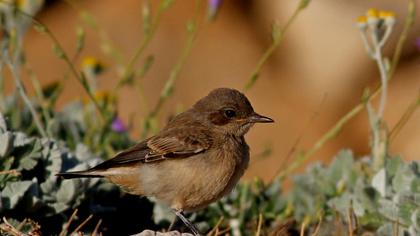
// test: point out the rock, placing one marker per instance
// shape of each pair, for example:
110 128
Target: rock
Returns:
157 233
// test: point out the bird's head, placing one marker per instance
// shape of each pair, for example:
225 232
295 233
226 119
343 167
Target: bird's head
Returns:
229 111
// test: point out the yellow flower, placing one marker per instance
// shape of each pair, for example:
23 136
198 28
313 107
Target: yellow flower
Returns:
20 3
362 22
89 61
92 65
30 7
362 19
372 18
101 96
372 13
388 17
386 14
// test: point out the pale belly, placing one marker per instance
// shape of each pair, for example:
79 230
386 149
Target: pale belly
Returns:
194 182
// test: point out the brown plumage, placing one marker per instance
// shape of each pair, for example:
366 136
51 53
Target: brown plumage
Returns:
195 160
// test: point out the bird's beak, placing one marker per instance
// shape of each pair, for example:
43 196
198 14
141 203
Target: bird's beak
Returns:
257 118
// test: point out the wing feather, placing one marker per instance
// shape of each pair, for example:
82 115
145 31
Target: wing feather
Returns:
172 143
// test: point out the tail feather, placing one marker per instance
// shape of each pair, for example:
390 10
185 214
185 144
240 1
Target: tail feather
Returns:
79 174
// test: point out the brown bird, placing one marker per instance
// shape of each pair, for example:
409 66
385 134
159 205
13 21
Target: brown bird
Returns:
195 160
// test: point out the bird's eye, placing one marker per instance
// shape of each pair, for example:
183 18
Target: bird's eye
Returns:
229 113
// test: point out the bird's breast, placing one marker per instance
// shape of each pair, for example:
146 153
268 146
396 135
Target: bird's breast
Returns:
194 182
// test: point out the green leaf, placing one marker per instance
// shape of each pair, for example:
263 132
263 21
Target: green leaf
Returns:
27 163
83 153
415 186
274 189
6 143
371 219
415 219
36 151
40 28
147 19
21 139
13 193
276 32
67 191
147 65
88 19
366 195
166 4
388 229
388 209
190 26
358 208
392 165
54 157
379 182
59 207
404 176
59 51
304 3
6 164
51 90
49 185
342 204
80 34
3 124
405 201
340 165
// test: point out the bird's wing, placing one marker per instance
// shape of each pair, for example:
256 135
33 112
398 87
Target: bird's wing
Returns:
173 143
178 143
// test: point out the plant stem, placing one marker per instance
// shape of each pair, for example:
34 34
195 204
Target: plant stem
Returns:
332 132
41 98
21 90
170 83
259 225
79 77
384 82
90 20
408 24
404 118
2 97
276 42
378 145
128 72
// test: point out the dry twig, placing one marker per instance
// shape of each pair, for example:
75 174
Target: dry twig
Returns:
13 172
216 227
67 225
81 225
96 228
318 226
302 229
7 227
350 221
260 220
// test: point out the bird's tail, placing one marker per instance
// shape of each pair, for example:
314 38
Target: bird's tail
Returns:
79 174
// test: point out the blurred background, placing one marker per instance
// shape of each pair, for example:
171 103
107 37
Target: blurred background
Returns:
316 75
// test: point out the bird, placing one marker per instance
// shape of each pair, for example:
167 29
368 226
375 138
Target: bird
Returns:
196 159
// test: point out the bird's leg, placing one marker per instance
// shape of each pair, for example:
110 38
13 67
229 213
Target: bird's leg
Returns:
187 222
